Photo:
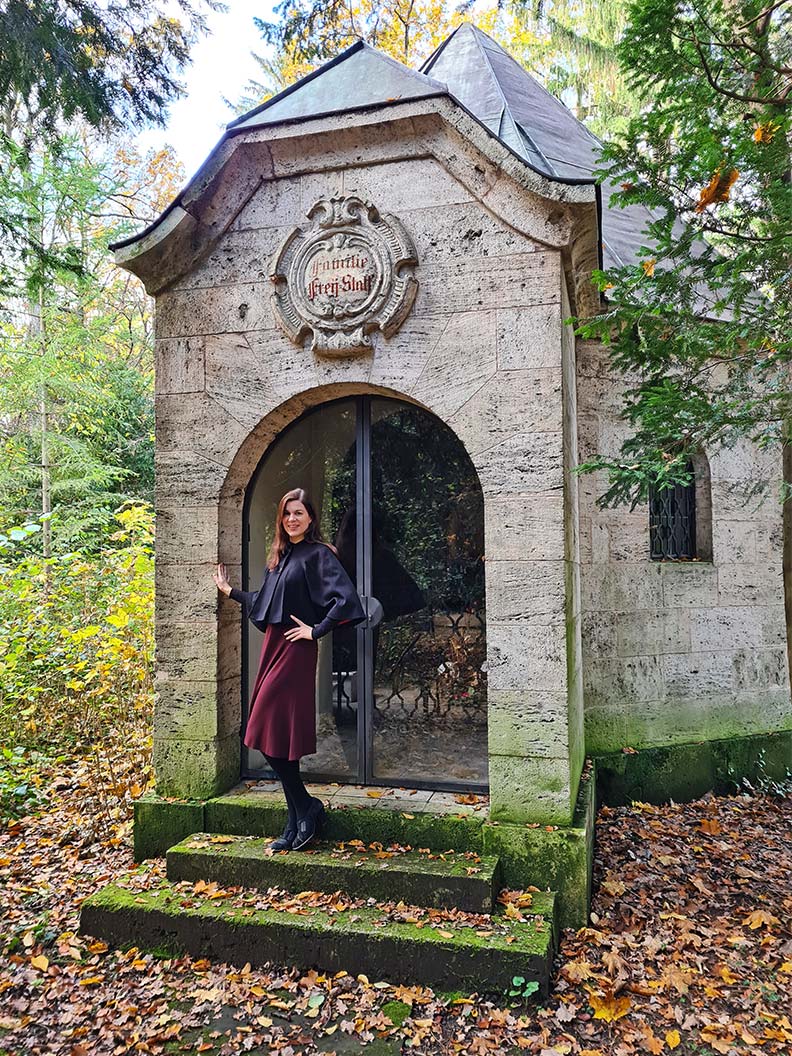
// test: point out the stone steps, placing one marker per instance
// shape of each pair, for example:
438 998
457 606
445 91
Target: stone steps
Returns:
251 814
547 857
450 879
441 948
412 917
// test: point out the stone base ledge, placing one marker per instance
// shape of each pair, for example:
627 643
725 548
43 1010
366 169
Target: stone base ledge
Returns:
684 772
161 918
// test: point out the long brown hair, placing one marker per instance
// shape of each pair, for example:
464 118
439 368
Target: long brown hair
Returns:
280 541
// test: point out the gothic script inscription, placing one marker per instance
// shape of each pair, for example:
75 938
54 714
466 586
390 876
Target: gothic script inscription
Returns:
348 274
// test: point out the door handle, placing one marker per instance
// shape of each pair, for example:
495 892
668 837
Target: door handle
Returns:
373 609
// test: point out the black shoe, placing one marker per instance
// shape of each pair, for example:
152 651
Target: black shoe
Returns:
309 828
285 840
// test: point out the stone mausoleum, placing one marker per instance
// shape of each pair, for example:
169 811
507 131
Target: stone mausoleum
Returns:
366 291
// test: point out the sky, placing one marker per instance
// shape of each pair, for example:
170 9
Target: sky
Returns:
222 66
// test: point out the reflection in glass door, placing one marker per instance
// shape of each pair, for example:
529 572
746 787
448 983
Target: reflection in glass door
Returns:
402 700
427 563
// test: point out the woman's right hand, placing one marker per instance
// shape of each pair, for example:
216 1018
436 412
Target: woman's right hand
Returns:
221 579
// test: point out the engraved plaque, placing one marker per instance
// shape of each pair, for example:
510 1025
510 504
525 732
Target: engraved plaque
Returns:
348 274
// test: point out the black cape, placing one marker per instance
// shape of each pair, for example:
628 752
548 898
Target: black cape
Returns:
310 583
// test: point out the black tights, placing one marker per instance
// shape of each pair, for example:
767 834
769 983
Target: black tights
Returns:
297 796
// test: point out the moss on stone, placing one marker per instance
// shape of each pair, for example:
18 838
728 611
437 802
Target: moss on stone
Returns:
684 772
528 937
442 879
356 938
250 814
247 814
554 857
159 823
551 857
396 1011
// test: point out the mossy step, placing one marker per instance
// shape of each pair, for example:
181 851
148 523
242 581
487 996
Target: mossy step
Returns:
251 814
462 880
383 941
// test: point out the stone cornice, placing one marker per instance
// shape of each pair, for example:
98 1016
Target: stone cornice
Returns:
557 214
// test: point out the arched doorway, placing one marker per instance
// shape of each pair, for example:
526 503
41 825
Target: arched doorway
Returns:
403 702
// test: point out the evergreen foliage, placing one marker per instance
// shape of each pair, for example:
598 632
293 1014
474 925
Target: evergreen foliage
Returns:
103 62
702 328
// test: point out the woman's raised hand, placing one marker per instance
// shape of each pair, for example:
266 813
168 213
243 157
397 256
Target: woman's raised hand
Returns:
302 630
221 579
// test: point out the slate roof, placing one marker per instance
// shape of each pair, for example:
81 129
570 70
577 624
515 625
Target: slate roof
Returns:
536 125
359 77
477 72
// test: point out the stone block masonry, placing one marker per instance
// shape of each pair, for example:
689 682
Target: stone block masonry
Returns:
679 652
229 380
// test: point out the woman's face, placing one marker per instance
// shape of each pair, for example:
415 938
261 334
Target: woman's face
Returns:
295 520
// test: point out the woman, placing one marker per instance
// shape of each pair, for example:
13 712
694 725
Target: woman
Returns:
305 594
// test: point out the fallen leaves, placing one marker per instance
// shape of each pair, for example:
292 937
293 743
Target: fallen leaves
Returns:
614 963
577 971
710 826
678 978
691 952
759 919
609 1007
726 974
613 887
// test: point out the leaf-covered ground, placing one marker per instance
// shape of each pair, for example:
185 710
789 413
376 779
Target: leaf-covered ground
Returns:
689 949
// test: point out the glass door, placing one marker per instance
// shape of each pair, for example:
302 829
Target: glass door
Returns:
402 699
429 694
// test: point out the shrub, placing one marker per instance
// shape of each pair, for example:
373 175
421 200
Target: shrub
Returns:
76 656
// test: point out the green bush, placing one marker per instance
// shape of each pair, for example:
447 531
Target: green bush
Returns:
20 783
76 656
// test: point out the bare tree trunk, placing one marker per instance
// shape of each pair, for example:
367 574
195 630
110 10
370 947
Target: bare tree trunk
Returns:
37 332
46 505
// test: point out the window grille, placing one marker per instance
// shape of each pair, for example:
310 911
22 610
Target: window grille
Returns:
672 522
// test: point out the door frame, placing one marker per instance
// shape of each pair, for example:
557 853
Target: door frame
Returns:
365 657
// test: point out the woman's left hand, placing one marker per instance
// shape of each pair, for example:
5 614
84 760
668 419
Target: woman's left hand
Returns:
302 630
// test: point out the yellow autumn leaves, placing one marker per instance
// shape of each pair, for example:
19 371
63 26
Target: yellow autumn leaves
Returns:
718 189
765 132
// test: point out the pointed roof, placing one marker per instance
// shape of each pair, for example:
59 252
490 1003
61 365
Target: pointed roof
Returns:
535 125
513 104
359 77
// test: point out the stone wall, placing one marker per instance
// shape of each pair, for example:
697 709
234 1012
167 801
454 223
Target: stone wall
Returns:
677 652
481 349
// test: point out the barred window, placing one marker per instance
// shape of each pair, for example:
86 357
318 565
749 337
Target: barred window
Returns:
672 521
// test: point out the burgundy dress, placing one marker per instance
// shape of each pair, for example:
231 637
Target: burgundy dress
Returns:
282 720
310 583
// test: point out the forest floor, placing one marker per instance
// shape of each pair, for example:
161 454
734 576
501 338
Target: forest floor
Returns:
689 948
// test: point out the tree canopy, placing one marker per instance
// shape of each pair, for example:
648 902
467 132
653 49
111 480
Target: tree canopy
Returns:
702 328
569 43
104 62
